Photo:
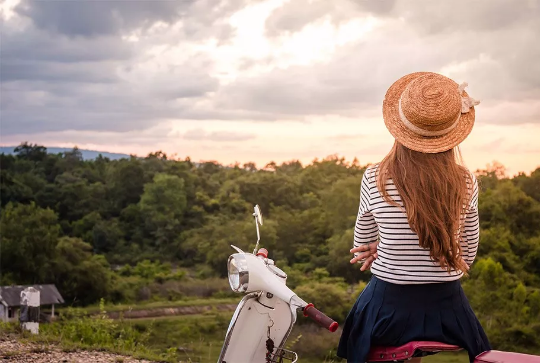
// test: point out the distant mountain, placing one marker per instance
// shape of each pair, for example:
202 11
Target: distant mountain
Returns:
86 154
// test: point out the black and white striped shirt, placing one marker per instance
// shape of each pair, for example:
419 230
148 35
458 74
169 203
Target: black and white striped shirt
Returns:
400 258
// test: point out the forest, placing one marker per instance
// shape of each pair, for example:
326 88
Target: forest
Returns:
145 229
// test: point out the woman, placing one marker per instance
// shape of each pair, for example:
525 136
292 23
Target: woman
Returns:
417 225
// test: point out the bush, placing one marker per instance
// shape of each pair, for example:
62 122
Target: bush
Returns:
310 341
331 299
96 331
173 290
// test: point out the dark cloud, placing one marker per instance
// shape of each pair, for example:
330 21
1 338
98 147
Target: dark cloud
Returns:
70 97
55 72
37 45
53 80
95 18
200 19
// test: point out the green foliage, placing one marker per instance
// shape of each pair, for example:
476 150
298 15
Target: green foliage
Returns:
152 271
162 206
341 203
78 273
339 246
97 331
155 228
331 298
509 207
29 237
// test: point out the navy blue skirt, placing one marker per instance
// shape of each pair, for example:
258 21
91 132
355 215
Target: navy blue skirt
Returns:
387 314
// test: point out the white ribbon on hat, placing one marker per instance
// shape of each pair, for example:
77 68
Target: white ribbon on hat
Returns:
466 104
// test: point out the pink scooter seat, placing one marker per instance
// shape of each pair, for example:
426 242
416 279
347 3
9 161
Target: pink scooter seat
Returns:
409 350
494 356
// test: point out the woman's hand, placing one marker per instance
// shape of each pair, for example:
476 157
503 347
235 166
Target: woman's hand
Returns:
367 253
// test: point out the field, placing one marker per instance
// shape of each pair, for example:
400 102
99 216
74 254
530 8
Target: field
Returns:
198 338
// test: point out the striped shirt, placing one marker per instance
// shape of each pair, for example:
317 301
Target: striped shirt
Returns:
400 258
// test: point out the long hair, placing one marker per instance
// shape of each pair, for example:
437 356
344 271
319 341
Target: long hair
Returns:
434 191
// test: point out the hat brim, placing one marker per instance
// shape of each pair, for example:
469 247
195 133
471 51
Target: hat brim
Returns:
410 139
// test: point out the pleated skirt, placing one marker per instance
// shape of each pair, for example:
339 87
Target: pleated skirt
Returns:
387 314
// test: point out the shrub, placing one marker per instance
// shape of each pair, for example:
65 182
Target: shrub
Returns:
96 331
331 299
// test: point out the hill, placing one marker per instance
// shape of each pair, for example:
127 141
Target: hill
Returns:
86 154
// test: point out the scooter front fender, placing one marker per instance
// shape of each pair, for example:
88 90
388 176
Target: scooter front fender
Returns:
246 336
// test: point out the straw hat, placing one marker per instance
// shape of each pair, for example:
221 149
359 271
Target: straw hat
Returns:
428 112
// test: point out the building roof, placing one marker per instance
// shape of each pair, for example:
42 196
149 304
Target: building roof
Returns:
49 294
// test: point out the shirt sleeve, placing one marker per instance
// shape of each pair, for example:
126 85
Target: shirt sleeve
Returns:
471 227
366 229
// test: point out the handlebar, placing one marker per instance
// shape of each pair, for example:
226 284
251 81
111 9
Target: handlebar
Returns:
310 311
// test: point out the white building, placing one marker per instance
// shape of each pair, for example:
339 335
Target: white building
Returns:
10 300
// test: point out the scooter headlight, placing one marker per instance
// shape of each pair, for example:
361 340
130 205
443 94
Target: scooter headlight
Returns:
238 272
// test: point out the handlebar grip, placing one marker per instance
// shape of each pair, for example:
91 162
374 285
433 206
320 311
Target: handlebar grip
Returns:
321 319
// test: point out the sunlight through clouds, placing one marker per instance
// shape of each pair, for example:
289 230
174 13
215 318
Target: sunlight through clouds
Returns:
6 8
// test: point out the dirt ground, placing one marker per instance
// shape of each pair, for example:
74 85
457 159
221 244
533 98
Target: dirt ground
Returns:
14 351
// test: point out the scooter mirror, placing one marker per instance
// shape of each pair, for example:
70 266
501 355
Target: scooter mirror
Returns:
258 214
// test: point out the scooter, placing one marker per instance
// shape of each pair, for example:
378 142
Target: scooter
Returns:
265 316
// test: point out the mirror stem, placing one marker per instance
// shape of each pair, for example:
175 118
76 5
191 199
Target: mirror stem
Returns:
258 233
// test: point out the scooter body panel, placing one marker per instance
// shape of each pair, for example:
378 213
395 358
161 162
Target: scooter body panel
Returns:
248 331
495 356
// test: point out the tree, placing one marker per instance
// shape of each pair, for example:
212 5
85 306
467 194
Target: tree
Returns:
211 244
328 297
529 184
32 152
79 274
509 206
106 235
125 181
489 178
163 204
29 238
12 189
76 198
339 257
341 202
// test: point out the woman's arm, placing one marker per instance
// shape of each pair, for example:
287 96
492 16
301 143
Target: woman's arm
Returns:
365 230
471 227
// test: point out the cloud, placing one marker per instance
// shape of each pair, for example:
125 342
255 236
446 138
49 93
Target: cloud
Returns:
218 136
477 42
345 137
125 66
295 15
99 18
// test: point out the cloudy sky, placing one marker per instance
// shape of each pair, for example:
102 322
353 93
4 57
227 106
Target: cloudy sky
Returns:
254 80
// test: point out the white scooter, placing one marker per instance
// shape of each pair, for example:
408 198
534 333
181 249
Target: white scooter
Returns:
266 315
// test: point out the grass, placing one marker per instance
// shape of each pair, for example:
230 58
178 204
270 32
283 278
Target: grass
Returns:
199 338
188 338
94 309
459 357
196 338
